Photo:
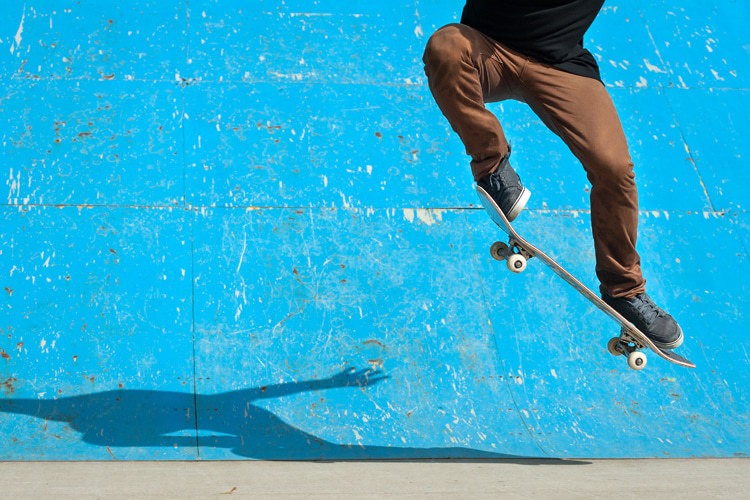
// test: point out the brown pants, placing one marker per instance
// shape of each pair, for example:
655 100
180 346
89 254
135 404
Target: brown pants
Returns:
465 69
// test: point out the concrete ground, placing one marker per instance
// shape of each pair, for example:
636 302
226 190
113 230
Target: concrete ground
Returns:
653 479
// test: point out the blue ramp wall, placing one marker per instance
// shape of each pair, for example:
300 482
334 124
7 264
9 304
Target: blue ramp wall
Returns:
243 230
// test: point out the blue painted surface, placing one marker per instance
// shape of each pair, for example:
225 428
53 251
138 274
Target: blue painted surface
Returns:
241 230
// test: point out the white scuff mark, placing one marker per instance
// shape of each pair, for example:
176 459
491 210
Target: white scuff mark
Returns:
642 83
428 216
365 108
655 214
409 214
682 82
347 203
244 248
325 180
653 68
314 14
17 38
15 186
42 344
554 373
716 75
369 169
418 31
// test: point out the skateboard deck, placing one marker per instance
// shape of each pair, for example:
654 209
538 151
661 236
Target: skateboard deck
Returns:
518 251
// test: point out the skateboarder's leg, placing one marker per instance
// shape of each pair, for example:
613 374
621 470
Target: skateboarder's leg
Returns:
465 69
581 112
462 75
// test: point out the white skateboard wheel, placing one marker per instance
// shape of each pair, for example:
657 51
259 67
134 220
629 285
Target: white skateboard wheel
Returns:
612 346
497 250
637 360
517 263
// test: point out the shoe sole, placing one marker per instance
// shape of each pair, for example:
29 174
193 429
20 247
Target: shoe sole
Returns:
672 345
520 204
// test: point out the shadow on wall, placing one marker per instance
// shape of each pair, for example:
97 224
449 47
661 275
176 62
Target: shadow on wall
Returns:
138 418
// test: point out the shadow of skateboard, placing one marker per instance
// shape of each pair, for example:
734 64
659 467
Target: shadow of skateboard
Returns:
518 251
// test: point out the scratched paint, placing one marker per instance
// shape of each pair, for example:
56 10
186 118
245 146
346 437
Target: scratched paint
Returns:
321 145
243 230
346 289
90 143
305 41
637 62
702 44
94 300
93 40
715 129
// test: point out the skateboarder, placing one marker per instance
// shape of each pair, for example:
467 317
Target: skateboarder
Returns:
532 51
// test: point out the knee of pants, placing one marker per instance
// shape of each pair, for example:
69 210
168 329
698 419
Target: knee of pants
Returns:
610 168
448 44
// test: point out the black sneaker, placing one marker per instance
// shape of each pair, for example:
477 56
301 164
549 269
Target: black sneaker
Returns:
649 318
504 186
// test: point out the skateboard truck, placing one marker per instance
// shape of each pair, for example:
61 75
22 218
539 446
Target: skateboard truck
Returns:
628 345
515 254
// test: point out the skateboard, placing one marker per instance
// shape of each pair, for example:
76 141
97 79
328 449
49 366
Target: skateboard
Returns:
518 251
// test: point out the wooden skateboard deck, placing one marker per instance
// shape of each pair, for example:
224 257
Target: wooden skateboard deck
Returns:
518 251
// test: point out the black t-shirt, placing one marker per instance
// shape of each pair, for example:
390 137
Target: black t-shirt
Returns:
550 31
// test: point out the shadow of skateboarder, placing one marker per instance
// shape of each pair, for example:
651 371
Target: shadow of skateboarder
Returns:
230 420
